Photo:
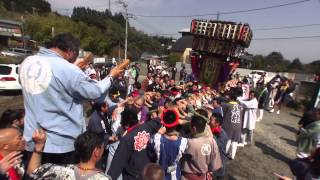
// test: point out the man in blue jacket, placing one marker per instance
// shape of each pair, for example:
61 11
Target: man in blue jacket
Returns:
54 90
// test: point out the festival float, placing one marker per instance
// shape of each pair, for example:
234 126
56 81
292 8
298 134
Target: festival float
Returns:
217 48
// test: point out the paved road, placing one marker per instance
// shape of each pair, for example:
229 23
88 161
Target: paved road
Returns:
10 100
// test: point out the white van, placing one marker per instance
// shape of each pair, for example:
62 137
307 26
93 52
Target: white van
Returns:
9 77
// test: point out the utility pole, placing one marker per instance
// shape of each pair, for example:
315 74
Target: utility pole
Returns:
52 32
127 16
33 11
68 12
125 6
218 15
119 52
126 37
23 32
109 6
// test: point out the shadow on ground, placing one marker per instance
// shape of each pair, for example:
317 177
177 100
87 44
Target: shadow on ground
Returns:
270 151
289 141
230 178
11 93
295 115
289 128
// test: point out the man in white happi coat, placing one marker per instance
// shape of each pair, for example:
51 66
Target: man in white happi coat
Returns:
250 106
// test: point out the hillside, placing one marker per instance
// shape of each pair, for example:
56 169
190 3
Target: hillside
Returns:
99 32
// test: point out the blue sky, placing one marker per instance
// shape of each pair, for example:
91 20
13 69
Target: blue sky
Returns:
305 13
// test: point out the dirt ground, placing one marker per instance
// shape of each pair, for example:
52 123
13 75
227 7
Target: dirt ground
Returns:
274 144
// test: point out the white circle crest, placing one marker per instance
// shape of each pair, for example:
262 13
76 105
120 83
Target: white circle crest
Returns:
35 75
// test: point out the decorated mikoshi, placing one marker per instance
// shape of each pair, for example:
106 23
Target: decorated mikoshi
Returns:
217 46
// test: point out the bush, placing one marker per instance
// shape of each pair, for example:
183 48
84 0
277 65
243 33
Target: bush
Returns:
11 60
173 58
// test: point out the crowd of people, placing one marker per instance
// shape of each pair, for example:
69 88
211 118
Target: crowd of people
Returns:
155 129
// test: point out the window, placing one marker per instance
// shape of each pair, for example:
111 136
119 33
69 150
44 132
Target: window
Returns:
19 51
5 70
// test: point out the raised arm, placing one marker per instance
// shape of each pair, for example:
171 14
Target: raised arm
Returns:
39 137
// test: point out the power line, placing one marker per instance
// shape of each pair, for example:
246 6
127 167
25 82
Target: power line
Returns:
288 38
90 6
232 12
286 27
259 29
267 7
221 13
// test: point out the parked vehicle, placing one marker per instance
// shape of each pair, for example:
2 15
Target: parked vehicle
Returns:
9 77
16 52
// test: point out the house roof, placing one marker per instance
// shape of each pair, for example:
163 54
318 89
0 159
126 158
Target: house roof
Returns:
182 43
184 30
315 62
17 23
10 28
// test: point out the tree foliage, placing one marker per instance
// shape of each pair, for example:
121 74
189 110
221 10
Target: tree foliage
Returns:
99 32
113 29
173 58
274 62
295 66
313 67
40 6
91 17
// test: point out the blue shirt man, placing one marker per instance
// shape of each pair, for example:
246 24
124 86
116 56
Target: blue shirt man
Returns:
54 90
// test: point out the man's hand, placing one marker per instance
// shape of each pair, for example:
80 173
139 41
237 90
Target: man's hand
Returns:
160 110
183 121
162 130
147 97
39 137
81 63
183 102
150 93
115 72
124 102
280 177
9 161
129 98
113 139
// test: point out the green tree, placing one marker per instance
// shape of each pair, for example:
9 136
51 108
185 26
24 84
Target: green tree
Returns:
40 6
275 62
259 62
313 67
295 65
99 32
113 30
173 58
118 17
